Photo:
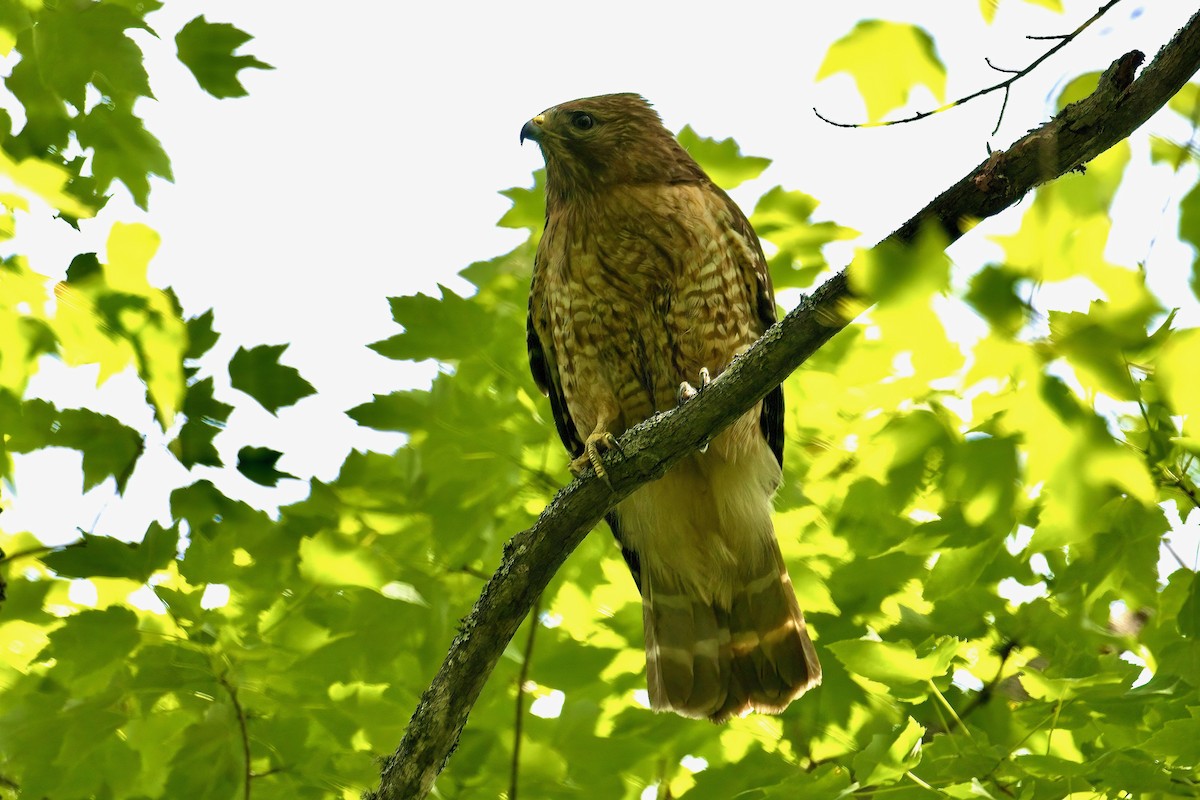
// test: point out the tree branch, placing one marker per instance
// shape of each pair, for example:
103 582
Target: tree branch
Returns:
1081 132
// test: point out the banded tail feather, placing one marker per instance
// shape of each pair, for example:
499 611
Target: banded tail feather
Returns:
709 659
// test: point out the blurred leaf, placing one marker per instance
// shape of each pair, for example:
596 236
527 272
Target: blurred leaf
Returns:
529 205
103 556
894 664
988 8
1189 230
124 151
201 336
86 43
993 294
722 159
1187 102
109 448
783 218
207 49
886 60
258 373
889 756
1080 87
207 764
91 641
205 418
1189 614
1178 739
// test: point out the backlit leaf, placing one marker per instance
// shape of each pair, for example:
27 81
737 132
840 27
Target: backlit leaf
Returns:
886 60
258 464
207 49
258 373
722 159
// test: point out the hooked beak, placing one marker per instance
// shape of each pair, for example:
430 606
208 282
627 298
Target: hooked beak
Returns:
533 129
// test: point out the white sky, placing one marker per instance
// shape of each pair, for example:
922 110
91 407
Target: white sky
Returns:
368 165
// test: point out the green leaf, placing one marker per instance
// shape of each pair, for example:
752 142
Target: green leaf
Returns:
207 49
445 328
84 43
1189 614
258 373
208 763
92 641
783 218
891 755
1187 102
1178 739
258 464
529 205
123 150
201 336
206 417
993 294
109 448
1167 151
897 665
399 411
886 60
105 557
960 568
722 159
1080 87
1189 230
894 273
988 7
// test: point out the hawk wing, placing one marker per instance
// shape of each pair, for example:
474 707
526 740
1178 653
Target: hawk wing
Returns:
545 375
758 280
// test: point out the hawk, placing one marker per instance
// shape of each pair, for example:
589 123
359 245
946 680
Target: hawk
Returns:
648 276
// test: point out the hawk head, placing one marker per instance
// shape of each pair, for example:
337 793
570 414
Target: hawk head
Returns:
596 143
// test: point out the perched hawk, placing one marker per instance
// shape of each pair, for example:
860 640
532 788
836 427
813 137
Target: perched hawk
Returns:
648 276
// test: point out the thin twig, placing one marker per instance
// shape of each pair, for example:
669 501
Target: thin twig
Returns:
519 723
1170 549
912 777
1063 41
988 61
247 772
954 714
1054 725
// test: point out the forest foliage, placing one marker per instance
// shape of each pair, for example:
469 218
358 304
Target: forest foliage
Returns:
982 482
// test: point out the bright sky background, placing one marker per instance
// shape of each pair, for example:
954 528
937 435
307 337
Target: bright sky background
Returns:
368 164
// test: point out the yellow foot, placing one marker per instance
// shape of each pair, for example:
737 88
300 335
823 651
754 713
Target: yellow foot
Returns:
595 444
687 392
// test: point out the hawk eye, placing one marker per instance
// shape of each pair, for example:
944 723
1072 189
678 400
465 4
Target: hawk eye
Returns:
583 121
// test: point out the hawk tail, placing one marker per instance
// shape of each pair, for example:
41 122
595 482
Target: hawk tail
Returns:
718 658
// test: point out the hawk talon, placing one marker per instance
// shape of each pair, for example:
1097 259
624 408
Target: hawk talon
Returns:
591 455
687 392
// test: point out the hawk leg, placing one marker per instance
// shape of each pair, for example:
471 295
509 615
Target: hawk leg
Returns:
687 392
598 441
